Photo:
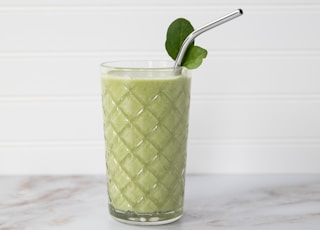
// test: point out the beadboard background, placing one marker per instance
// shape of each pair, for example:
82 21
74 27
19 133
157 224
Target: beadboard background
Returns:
255 100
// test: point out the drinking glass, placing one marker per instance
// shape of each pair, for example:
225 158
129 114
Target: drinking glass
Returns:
146 110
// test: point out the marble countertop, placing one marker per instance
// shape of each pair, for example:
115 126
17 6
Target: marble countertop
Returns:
211 202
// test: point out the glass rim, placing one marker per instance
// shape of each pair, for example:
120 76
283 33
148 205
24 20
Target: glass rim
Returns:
141 65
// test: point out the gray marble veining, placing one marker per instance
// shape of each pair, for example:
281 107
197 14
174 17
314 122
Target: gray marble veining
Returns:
211 202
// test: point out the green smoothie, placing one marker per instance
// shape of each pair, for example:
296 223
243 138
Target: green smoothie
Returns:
146 127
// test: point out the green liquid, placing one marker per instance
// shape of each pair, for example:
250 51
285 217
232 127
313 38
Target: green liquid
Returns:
146 127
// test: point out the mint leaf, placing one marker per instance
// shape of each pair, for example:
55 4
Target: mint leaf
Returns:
194 56
177 32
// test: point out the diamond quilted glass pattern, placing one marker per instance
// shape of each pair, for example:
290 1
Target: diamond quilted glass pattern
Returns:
146 125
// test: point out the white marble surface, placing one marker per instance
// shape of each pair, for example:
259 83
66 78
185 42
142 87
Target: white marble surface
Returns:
211 202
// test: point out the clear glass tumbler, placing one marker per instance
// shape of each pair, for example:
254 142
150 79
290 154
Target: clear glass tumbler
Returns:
146 109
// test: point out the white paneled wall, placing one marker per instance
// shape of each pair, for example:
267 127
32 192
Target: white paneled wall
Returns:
255 101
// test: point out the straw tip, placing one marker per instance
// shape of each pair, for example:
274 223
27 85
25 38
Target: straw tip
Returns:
240 11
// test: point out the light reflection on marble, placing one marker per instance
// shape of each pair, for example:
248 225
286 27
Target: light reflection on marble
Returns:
211 202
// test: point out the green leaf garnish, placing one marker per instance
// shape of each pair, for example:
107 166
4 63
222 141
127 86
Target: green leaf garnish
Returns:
177 32
194 56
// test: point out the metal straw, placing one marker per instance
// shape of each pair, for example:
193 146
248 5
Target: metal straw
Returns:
202 29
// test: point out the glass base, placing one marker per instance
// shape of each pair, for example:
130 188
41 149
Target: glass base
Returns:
156 218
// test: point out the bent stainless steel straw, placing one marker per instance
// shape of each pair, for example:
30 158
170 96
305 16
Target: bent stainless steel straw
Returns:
203 29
